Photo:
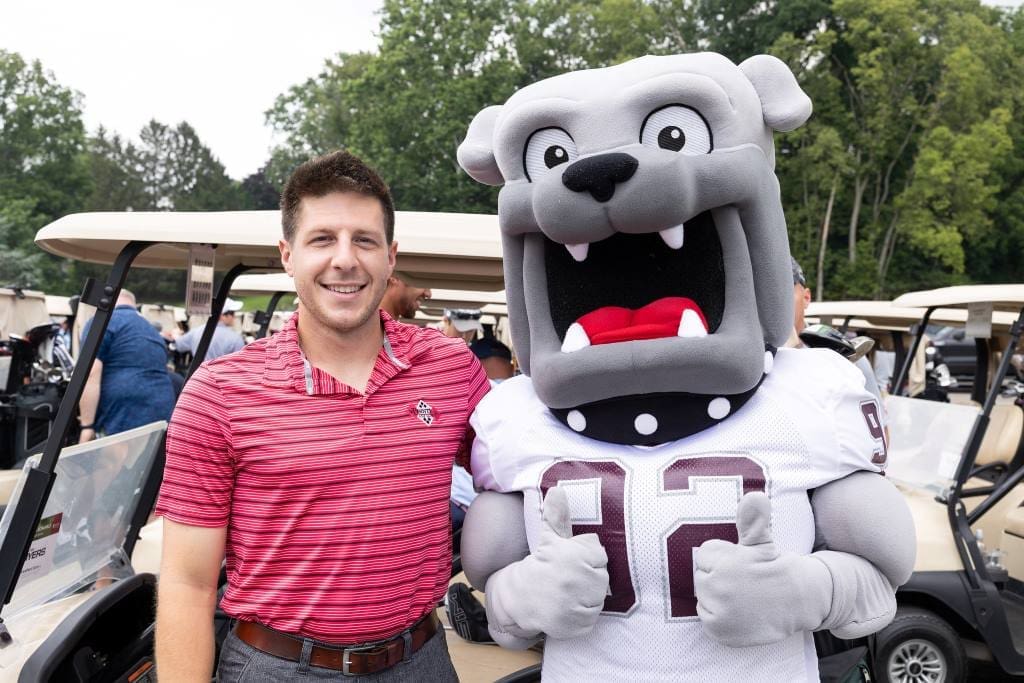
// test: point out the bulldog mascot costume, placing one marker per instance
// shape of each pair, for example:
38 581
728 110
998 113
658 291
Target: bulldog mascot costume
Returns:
668 495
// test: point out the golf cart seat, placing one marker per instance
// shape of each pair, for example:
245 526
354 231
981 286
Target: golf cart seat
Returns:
1000 449
936 550
994 522
1012 543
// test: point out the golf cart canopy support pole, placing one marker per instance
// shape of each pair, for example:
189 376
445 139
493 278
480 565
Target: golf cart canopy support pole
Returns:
958 518
39 479
263 318
897 387
211 323
978 431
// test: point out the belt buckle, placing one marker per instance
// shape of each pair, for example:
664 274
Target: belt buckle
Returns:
367 649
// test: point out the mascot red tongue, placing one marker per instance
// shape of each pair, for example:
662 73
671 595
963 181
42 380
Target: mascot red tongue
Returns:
754 514
665 317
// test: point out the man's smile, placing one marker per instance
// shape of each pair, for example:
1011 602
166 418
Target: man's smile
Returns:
344 290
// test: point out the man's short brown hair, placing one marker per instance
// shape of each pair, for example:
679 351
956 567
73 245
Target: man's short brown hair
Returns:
335 172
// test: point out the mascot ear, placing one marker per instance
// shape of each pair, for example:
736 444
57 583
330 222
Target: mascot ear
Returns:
784 104
476 153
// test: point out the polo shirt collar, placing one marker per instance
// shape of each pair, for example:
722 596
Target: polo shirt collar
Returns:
287 367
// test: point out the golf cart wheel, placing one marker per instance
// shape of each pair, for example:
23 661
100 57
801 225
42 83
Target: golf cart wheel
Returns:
919 647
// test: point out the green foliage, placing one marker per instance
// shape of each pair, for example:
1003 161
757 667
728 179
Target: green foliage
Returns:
41 172
910 174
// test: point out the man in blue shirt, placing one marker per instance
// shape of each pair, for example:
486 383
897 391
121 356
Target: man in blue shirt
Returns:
225 339
128 384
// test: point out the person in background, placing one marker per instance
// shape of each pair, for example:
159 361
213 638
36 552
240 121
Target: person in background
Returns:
225 339
495 357
801 300
128 384
402 300
463 323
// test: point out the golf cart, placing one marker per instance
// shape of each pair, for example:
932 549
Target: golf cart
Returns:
34 371
78 552
960 469
892 328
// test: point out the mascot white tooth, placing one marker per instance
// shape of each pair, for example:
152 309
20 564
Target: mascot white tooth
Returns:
668 496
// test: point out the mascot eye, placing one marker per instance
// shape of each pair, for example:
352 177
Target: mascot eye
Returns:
547 148
678 129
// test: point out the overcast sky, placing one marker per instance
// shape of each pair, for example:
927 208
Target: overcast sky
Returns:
217 64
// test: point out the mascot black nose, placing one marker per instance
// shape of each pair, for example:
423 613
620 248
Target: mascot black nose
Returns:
599 174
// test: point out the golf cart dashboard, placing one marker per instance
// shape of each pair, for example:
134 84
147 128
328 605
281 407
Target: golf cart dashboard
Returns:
107 639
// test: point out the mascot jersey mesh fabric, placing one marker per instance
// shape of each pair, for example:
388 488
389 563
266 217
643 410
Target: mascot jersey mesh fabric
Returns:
648 280
651 506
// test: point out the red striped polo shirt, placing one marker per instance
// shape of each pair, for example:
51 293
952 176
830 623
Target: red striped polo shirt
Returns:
335 501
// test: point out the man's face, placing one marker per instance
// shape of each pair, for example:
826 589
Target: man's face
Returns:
340 259
408 298
801 298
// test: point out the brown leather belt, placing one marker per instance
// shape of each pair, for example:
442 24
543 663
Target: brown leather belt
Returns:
351 661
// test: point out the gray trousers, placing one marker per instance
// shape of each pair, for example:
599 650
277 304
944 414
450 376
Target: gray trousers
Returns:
242 663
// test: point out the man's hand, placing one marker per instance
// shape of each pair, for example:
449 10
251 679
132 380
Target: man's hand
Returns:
86 435
559 589
748 593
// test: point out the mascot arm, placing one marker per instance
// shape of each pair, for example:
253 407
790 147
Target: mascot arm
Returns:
493 535
865 535
752 593
558 589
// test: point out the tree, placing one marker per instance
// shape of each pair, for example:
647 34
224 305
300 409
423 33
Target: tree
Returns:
42 174
910 86
259 191
169 169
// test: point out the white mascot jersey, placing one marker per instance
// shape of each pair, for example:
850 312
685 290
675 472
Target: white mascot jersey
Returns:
811 422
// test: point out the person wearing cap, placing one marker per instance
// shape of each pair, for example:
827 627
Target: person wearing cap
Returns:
225 339
495 357
463 323
801 300
128 384
801 296
401 299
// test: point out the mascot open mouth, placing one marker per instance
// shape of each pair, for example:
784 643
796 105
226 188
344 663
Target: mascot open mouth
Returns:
632 287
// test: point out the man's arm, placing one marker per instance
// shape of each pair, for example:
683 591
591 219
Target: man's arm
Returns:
186 599
184 343
90 401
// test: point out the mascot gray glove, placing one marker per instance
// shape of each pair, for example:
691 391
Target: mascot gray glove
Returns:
559 589
749 593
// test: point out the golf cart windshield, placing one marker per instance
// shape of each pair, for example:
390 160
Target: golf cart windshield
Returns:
80 538
927 439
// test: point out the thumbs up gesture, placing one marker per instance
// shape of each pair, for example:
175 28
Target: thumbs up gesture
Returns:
749 593
559 589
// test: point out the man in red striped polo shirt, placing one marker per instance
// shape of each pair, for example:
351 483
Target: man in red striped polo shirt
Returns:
319 461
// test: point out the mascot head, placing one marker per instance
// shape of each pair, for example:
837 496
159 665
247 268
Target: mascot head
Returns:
646 259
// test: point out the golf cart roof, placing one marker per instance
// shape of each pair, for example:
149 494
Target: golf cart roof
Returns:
1002 297
435 249
885 315
461 298
263 283
58 305
876 313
